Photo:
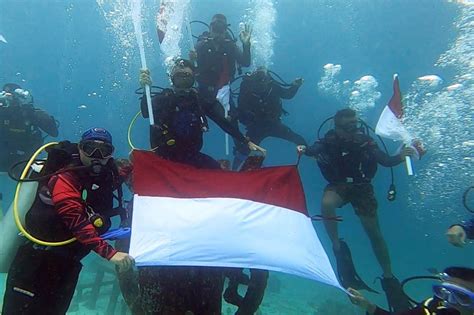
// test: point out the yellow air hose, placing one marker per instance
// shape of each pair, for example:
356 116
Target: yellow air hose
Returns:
15 203
129 133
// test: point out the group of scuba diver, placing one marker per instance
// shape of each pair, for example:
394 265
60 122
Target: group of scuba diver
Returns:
79 190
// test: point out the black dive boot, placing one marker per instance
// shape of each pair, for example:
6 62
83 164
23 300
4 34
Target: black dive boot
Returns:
397 299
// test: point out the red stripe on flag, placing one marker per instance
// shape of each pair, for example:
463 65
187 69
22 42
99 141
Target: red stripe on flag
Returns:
280 186
395 103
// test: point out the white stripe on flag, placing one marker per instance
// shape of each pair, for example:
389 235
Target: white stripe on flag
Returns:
389 126
227 232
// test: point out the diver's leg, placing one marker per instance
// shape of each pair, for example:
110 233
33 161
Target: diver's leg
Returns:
279 130
332 200
207 291
255 292
256 135
40 282
165 290
365 205
372 228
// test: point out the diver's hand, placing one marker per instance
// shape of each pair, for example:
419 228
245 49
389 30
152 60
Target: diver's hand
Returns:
145 77
246 35
193 55
254 147
407 151
123 261
300 149
456 235
298 82
358 299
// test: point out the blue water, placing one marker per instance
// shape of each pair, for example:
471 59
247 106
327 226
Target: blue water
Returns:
68 55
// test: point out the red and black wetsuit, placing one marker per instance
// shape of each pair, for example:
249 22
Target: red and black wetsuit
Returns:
42 279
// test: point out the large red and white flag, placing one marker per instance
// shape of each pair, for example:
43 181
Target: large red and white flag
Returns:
390 124
185 216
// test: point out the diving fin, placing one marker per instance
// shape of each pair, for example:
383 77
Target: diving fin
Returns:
346 270
397 299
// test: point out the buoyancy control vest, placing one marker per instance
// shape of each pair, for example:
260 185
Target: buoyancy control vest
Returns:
42 220
211 56
259 101
181 122
347 161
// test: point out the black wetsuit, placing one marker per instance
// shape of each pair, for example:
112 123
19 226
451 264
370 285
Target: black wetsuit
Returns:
180 121
260 110
20 132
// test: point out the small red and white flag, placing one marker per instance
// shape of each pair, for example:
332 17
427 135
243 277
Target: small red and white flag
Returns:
162 18
185 216
390 124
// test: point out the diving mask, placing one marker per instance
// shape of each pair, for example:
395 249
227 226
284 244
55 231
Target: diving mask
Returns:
454 295
96 149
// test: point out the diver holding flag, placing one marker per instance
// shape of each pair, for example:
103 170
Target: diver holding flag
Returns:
348 158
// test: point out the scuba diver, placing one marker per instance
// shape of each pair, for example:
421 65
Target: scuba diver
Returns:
348 158
74 199
21 125
260 110
458 233
217 56
177 135
453 296
180 119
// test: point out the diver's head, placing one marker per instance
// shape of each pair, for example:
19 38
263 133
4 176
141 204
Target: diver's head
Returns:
346 121
219 24
95 148
10 87
13 95
457 289
261 80
182 74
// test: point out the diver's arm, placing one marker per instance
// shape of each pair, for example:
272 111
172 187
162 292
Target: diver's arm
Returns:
45 122
383 158
66 197
155 105
144 106
286 93
215 112
314 150
243 56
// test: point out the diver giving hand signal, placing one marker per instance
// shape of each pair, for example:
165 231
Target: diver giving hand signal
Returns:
246 34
